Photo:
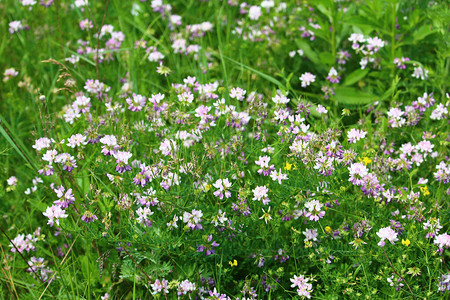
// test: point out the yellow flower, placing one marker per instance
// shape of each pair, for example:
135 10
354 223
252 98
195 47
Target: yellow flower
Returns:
233 263
424 190
406 243
328 229
366 160
288 166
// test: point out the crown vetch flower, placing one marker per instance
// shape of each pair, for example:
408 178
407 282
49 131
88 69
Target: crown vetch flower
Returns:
387 233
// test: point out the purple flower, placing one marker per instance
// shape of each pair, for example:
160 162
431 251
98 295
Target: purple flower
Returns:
88 217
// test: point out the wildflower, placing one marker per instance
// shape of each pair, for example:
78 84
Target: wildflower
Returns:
193 219
96 87
442 241
357 172
387 233
168 147
186 98
67 161
109 145
400 62
88 217
396 119
280 99
324 164
160 286
24 242
219 219
222 186
307 78
173 223
15 26
414 271
303 287
357 242
420 73
355 135
424 190
288 166
105 297
406 242
86 24
254 13
12 181
444 283
342 57
310 234
366 160
65 198
266 215
233 263
321 110
42 143
278 176
439 113
136 103
314 212
54 213
186 287
432 226
163 70
76 140
281 255
263 163
122 158
208 248
260 194
397 283
144 214
333 76
11 72
237 93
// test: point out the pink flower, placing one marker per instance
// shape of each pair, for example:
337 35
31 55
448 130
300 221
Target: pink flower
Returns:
333 76
355 135
307 78
86 24
260 194
387 233
237 93
137 103
278 176
222 185
54 213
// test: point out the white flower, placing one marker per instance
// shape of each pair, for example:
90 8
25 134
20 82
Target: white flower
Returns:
278 176
321 110
254 12
307 78
54 213
387 233
260 193
76 140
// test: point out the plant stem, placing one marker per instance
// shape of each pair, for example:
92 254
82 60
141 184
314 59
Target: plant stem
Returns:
409 288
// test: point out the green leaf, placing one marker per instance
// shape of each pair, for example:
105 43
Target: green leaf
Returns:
16 143
313 57
361 22
326 59
351 96
355 76
261 74
422 33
